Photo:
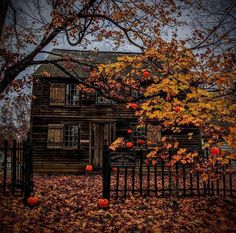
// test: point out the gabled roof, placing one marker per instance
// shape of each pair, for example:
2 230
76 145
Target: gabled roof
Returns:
89 57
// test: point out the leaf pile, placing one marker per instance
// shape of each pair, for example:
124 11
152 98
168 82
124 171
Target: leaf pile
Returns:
69 204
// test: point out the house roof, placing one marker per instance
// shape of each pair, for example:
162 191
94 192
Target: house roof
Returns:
87 57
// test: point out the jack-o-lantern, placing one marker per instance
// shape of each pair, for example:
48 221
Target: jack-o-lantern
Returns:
129 144
32 201
103 203
133 106
215 150
89 168
146 74
140 142
129 131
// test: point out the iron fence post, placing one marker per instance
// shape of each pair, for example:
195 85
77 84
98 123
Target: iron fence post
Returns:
106 172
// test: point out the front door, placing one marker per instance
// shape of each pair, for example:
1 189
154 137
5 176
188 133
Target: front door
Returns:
100 132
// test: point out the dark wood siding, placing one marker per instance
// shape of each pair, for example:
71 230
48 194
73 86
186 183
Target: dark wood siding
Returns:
73 160
43 114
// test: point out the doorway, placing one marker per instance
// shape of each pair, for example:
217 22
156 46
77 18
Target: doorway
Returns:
99 133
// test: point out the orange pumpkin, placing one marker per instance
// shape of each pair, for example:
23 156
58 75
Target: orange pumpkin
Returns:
133 106
103 203
140 142
88 168
32 201
129 131
129 144
146 74
215 150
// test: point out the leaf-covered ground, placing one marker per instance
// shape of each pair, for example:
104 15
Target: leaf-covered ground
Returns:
69 204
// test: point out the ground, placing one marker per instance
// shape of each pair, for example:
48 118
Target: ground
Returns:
69 204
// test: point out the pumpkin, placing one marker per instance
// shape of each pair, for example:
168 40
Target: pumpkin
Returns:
177 109
215 150
129 144
133 106
88 168
146 74
140 142
103 203
32 201
129 131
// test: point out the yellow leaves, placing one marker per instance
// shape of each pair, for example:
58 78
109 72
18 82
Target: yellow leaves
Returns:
117 143
151 154
181 151
231 137
233 156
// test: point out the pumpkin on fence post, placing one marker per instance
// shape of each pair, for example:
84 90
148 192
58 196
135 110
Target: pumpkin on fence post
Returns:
103 203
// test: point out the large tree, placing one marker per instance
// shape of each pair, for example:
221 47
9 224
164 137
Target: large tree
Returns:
181 81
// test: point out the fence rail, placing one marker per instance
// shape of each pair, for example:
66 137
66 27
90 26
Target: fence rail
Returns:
142 178
17 174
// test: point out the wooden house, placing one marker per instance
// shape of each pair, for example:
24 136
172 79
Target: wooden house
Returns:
68 127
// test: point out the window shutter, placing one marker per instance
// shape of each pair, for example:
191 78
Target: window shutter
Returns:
55 136
57 94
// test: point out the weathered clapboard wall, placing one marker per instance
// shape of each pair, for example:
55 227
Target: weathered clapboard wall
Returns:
43 114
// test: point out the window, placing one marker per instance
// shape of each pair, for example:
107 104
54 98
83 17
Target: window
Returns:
64 94
63 136
150 134
140 133
71 136
102 100
72 94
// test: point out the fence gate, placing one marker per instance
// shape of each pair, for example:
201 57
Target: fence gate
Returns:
16 168
127 173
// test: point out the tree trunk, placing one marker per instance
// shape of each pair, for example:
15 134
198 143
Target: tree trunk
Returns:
3 11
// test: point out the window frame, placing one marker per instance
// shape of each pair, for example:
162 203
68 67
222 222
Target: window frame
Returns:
57 133
75 101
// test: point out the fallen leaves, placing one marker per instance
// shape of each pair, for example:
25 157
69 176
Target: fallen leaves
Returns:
69 204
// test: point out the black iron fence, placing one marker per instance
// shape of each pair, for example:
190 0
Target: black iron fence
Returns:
127 173
16 168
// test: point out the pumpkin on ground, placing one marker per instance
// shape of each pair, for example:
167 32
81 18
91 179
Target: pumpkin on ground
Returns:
89 168
32 201
103 203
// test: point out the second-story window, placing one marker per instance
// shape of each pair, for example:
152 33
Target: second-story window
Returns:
72 94
62 94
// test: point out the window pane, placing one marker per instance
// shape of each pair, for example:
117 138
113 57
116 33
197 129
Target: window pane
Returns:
71 133
72 94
